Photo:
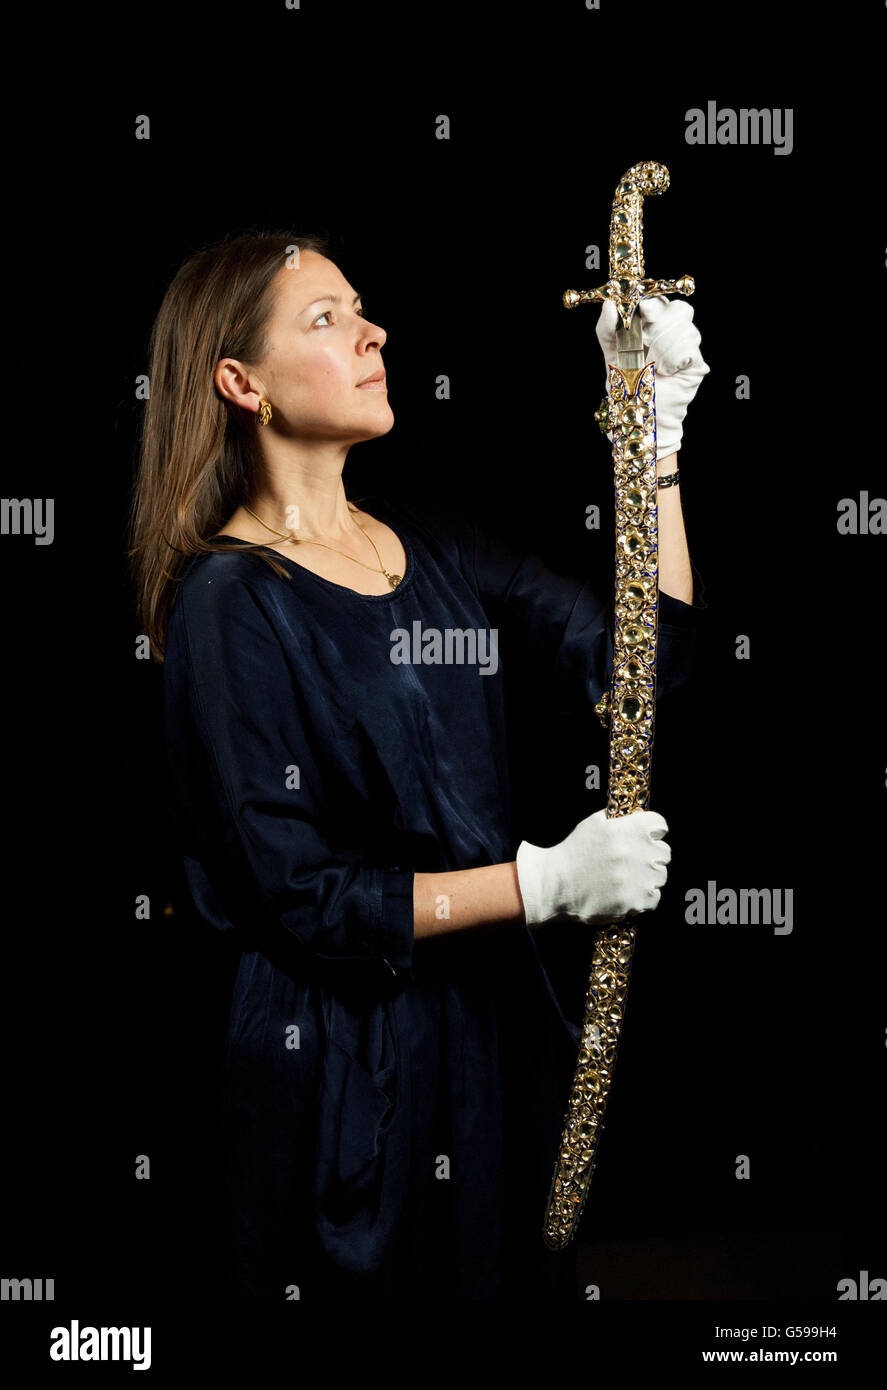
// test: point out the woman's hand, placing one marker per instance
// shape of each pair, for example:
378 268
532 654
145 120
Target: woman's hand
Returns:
671 342
603 871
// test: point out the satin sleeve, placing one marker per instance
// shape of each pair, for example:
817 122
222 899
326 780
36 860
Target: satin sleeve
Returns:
566 624
278 837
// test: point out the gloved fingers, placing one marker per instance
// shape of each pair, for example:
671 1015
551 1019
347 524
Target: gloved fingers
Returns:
605 328
677 358
651 821
656 307
653 897
690 377
653 306
671 338
676 351
660 316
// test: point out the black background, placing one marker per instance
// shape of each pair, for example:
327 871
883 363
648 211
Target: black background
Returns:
771 773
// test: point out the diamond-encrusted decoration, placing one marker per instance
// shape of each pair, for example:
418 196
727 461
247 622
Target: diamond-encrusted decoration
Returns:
628 416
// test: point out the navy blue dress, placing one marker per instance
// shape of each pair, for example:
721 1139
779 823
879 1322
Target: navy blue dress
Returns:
393 1107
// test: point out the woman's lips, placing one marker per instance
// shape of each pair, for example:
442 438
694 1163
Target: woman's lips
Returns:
380 385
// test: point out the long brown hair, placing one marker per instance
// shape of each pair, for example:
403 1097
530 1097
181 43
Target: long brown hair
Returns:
199 455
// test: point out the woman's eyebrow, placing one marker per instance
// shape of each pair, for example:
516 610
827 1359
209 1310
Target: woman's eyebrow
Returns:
329 299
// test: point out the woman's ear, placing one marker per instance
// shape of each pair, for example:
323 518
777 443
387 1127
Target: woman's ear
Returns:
232 381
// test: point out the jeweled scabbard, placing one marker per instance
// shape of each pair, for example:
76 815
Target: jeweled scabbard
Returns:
629 706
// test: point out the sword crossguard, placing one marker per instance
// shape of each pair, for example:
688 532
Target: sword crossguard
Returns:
627 284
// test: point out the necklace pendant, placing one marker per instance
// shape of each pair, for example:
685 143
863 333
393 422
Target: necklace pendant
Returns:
393 579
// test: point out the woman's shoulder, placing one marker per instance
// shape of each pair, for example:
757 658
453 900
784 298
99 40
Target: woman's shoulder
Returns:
228 563
226 586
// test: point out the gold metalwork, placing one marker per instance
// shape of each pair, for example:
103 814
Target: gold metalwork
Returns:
263 414
627 285
629 706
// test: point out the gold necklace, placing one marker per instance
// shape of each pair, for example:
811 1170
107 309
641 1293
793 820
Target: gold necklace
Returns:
393 579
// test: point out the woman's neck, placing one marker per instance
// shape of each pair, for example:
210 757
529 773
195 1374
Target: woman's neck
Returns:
306 508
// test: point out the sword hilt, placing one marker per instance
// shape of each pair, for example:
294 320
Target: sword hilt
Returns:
627 284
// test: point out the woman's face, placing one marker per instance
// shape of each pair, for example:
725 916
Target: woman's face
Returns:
319 351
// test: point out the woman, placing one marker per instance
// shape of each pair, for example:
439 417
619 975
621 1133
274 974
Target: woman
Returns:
397 1063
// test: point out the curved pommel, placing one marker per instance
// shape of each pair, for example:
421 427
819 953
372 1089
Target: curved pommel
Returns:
627 285
627 218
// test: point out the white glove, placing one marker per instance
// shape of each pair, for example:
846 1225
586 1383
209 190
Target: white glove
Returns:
671 342
604 870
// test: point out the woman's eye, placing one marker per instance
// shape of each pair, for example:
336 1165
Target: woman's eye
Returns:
328 314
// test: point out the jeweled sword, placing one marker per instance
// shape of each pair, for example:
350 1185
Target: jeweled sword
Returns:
628 415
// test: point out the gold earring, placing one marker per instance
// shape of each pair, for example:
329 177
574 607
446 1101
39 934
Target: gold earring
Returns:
264 412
